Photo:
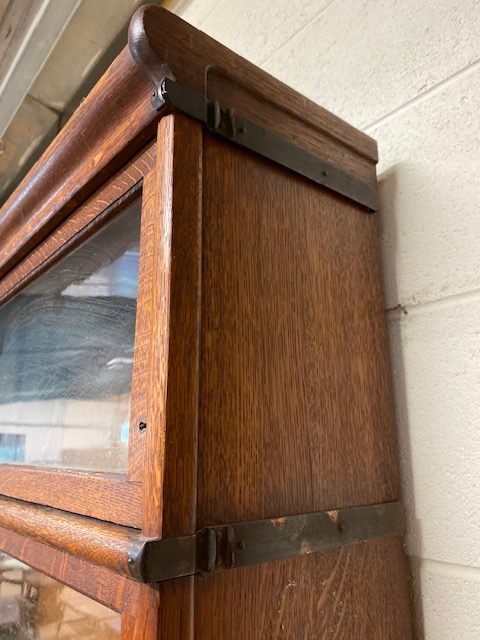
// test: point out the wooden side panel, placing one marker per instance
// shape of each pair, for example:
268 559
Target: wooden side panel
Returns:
343 594
295 403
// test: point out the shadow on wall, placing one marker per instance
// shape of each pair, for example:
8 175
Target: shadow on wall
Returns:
388 183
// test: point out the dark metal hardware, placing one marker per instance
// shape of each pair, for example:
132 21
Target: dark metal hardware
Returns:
228 124
247 543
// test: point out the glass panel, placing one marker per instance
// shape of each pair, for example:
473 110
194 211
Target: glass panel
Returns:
33 605
66 354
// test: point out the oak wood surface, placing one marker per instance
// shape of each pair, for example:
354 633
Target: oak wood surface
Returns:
116 119
101 543
109 588
142 624
180 473
165 378
152 332
110 125
296 409
342 594
261 366
98 495
159 39
116 193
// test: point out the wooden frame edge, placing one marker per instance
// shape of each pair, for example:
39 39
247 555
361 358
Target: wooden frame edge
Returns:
105 497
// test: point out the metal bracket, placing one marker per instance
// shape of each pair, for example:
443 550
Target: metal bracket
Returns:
243 544
228 124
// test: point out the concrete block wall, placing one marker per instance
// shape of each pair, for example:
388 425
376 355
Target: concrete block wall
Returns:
407 73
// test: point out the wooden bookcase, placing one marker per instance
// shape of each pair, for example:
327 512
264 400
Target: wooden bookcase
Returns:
261 383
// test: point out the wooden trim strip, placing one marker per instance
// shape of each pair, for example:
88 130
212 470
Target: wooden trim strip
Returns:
101 543
103 496
108 588
107 201
108 128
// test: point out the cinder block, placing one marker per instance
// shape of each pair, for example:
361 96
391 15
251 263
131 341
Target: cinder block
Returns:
429 175
436 355
193 11
363 59
256 29
447 599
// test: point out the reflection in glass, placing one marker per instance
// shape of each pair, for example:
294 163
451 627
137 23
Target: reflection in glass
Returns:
66 354
33 606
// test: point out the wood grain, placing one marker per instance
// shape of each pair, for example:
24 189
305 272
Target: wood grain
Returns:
166 347
158 38
143 623
165 379
152 329
110 125
180 471
106 202
116 119
342 594
114 591
100 543
296 409
97 495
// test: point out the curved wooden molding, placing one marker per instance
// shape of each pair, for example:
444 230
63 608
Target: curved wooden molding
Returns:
117 118
163 44
101 543
110 125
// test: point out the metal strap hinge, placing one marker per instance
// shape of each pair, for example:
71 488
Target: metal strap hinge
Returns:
228 124
248 543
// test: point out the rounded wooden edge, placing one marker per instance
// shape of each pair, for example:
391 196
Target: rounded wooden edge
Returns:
108 128
101 543
165 45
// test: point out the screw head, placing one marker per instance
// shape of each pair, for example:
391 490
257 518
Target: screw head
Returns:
142 426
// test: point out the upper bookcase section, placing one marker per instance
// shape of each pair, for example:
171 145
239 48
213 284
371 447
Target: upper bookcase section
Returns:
120 114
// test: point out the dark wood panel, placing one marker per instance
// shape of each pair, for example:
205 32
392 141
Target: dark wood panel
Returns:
295 402
152 330
354 593
107 587
96 495
166 352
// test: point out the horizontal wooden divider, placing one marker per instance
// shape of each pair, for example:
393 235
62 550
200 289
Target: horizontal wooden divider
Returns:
104 544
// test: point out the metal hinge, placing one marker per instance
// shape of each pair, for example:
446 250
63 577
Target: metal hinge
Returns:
224 547
246 133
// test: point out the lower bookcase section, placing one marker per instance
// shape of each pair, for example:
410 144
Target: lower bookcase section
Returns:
33 605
